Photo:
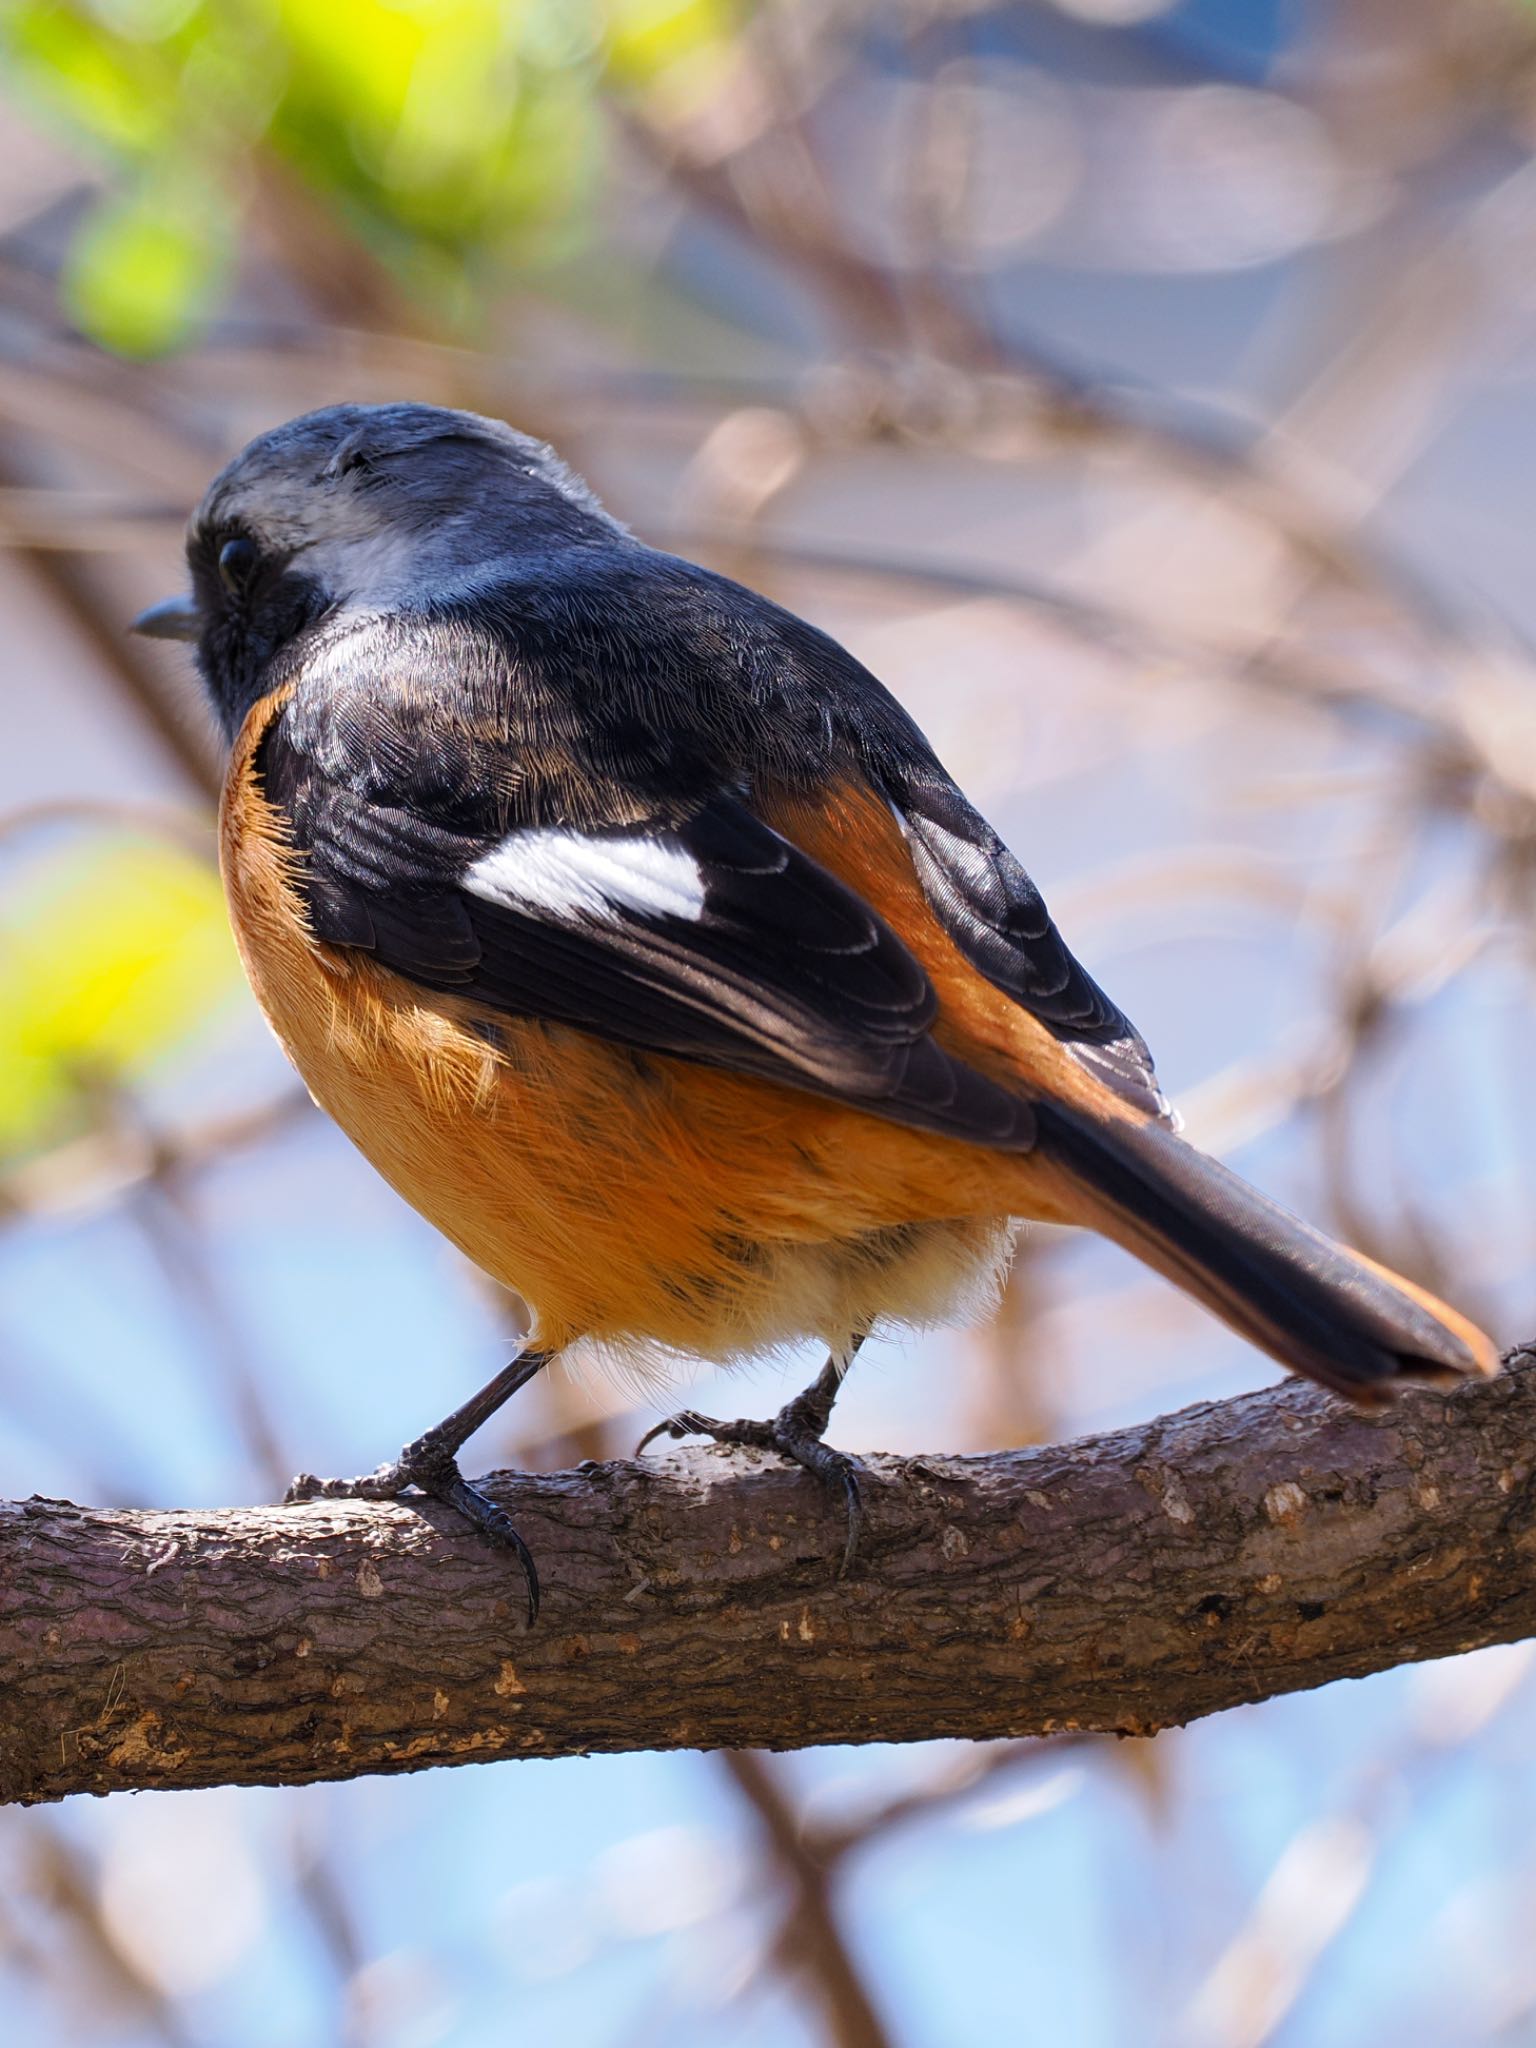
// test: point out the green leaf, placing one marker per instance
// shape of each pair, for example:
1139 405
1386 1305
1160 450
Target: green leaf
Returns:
142 272
117 90
460 140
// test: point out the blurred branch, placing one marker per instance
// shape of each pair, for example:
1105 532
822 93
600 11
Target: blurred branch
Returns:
59 1871
776 208
812 1937
1123 1583
120 1155
138 678
954 1785
1289 669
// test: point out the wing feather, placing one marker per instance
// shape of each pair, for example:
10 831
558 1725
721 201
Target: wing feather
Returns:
998 918
778 969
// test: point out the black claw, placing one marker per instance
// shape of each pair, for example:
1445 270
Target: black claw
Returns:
439 1478
832 1470
684 1423
494 1524
853 1508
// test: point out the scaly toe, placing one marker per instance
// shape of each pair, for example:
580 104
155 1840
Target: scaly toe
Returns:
793 1435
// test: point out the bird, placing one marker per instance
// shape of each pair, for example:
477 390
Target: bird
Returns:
638 937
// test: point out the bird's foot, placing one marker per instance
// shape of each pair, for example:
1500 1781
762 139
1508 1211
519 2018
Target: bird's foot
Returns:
431 1465
796 1434
434 1471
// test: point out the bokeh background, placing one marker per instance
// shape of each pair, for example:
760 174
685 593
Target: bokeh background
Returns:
1146 389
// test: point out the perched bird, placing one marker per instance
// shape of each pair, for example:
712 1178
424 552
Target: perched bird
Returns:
639 938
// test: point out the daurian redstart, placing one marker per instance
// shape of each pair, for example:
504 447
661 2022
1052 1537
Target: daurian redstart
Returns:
637 936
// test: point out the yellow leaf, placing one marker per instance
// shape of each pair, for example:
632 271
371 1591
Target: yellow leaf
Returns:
113 955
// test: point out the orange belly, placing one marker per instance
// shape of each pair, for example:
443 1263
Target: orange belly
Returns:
635 1199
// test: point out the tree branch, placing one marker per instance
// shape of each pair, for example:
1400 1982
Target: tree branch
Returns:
1124 1582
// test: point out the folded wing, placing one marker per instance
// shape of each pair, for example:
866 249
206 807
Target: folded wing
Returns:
706 935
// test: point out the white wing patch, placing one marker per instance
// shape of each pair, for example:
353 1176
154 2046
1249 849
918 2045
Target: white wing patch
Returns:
579 875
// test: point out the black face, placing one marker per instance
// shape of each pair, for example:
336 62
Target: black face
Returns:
252 604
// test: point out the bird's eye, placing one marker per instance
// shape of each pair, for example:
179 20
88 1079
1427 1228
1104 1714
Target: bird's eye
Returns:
237 562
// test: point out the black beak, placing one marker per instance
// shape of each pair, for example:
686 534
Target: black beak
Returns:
174 618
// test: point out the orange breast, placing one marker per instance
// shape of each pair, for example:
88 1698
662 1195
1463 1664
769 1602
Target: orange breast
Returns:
635 1198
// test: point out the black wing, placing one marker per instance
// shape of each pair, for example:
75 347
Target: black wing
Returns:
998 918
809 700
703 934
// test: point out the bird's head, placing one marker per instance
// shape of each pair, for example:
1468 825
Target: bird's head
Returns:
361 510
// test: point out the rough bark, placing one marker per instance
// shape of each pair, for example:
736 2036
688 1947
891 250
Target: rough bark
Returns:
1123 1582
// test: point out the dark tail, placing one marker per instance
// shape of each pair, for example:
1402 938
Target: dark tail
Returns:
1319 1308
